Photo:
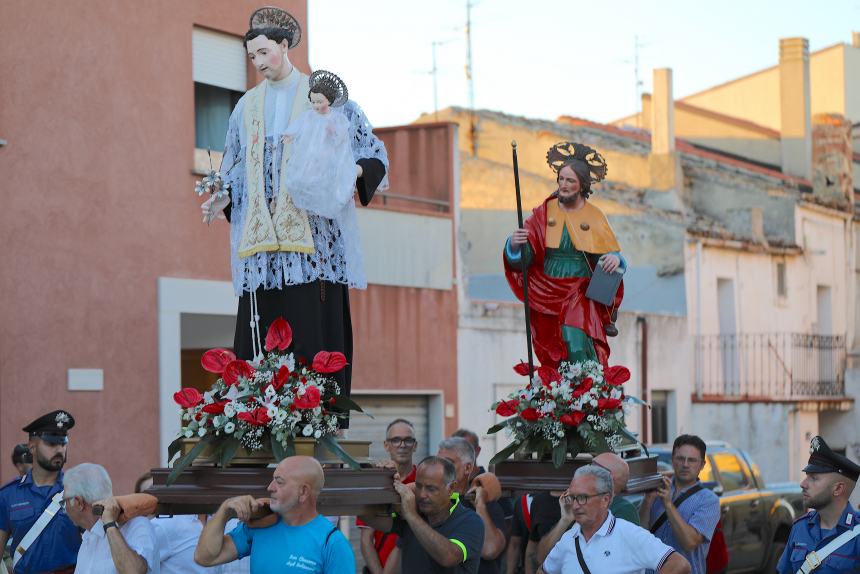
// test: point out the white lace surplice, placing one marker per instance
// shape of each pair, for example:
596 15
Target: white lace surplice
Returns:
337 253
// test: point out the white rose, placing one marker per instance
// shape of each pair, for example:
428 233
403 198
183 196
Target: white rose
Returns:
308 430
201 431
229 428
229 410
317 433
189 433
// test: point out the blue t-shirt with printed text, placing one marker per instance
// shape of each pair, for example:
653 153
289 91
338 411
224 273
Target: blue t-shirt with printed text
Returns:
313 548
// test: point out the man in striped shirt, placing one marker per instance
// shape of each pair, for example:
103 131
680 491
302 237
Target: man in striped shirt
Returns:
682 513
599 542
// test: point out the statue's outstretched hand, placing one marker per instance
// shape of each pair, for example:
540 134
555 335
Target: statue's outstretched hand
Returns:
214 208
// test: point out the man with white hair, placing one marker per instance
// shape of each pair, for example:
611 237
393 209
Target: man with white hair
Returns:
300 541
107 547
600 543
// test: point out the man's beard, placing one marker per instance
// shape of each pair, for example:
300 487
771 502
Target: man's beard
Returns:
282 509
51 464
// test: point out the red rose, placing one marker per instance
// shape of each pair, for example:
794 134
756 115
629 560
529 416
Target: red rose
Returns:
572 419
215 408
325 362
279 336
608 404
258 417
507 408
583 388
188 398
281 378
236 370
309 400
530 414
617 375
214 360
548 375
522 369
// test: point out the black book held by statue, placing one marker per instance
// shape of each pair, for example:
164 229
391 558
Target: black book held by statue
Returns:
603 286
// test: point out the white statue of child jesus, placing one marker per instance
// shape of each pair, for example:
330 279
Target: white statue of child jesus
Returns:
320 174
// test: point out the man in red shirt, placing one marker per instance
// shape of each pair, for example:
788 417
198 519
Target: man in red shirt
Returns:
400 443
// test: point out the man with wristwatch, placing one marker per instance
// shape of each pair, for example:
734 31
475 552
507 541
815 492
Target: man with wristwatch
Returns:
107 547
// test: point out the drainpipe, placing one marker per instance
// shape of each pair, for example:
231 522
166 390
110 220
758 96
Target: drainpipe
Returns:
642 322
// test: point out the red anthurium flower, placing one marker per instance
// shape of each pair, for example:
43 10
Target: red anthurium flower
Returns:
216 408
522 368
325 362
279 336
309 400
214 360
530 414
236 370
583 388
507 408
258 417
608 404
281 378
572 419
548 375
617 375
188 397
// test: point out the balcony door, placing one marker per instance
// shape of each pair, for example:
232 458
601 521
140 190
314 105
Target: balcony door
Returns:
729 356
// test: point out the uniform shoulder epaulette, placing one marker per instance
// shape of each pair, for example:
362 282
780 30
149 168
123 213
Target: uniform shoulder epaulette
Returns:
803 516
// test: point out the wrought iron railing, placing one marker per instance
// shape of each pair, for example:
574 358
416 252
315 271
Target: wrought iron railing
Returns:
770 366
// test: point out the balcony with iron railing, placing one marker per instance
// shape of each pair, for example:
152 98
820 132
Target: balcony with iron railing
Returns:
769 367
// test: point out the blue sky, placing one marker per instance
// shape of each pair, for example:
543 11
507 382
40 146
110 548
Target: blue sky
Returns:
545 58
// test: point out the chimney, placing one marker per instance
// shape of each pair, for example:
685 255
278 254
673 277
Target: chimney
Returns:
662 113
796 129
855 39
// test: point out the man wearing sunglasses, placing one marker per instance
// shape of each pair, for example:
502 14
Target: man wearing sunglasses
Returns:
401 444
599 542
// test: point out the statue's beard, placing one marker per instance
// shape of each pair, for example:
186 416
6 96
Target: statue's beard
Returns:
568 199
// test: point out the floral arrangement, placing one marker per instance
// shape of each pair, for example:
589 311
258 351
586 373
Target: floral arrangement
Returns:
576 408
263 405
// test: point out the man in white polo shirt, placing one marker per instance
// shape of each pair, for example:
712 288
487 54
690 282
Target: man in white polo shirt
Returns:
599 543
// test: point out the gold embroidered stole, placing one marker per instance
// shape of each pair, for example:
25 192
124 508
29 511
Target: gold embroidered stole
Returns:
289 229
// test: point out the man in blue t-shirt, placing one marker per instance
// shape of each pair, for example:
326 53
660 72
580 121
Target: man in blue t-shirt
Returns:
301 541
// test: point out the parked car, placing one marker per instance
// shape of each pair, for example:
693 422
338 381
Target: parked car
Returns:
756 517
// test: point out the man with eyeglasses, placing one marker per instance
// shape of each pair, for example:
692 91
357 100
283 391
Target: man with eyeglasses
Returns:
599 542
682 513
400 442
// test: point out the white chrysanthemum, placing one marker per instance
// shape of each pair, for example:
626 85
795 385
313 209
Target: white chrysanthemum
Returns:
189 433
308 430
229 428
201 431
317 433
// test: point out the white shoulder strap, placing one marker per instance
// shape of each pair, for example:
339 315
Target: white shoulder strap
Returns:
37 528
815 558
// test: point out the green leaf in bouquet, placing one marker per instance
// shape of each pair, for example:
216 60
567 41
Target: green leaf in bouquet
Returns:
331 442
291 445
183 462
574 445
278 449
559 453
636 400
228 451
347 404
506 452
174 448
497 427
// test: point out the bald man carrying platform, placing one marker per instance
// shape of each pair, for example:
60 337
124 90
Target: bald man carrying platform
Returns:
301 540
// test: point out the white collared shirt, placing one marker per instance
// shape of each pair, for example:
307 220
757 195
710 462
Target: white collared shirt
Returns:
618 547
176 539
94 557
